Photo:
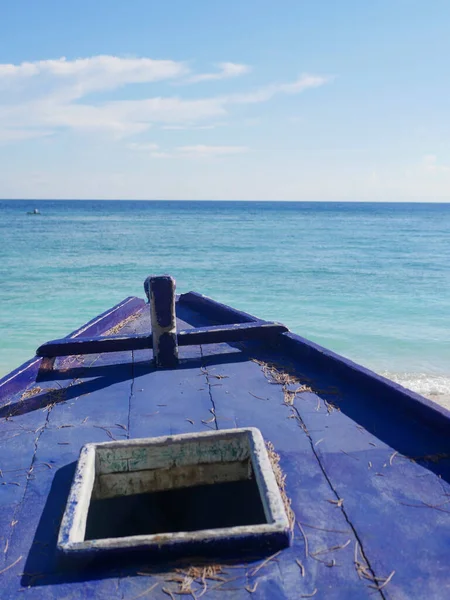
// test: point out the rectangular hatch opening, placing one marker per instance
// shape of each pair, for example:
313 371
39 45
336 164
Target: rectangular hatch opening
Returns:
179 493
209 506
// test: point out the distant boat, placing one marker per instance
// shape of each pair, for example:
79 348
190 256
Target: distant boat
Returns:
35 211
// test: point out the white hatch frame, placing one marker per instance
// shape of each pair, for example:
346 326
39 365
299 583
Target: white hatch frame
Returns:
120 468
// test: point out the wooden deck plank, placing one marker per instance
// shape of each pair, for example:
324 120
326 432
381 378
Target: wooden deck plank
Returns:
26 417
244 397
75 417
165 402
377 483
325 453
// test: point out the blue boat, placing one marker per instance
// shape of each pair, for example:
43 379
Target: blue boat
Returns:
179 447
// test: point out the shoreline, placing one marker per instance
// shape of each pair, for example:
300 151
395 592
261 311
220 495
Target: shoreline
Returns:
441 399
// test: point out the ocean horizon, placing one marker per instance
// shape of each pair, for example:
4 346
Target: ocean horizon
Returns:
367 280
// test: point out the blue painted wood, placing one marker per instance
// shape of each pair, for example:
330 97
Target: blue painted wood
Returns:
245 396
376 512
67 426
305 350
166 402
110 318
21 377
162 289
392 509
162 311
200 335
169 401
211 309
259 330
93 345
147 287
47 462
350 437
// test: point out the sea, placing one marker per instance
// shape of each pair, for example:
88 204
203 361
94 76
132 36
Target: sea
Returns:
370 281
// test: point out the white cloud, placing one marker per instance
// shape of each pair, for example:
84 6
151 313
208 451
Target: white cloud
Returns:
266 93
196 151
120 118
149 148
142 146
15 135
431 165
202 151
304 82
85 75
43 97
226 70
161 155
190 127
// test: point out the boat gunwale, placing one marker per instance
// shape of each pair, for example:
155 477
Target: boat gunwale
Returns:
22 376
292 344
299 347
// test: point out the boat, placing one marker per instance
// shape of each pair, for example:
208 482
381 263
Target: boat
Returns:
176 446
35 211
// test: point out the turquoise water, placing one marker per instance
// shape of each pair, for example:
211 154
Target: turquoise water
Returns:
371 281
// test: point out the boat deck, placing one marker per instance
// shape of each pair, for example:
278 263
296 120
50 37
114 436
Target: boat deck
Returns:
367 468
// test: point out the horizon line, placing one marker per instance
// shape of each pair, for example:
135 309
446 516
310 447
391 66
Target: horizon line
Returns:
181 200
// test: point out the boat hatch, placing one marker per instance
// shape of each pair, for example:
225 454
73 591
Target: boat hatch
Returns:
190 493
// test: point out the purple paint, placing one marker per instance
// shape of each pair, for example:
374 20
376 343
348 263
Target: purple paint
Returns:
26 374
163 291
162 314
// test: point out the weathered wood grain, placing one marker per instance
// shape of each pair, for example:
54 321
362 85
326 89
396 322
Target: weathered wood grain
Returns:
364 461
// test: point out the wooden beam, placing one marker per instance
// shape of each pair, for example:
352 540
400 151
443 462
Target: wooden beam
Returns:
200 335
161 293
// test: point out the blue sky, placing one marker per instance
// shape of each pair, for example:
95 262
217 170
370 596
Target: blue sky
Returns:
244 99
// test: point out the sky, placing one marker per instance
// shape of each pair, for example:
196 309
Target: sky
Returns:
231 100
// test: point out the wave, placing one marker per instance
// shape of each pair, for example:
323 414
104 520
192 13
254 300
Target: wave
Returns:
433 386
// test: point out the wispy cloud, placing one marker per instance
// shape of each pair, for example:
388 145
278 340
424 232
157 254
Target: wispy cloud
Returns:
143 147
161 155
43 97
226 70
85 75
202 151
431 165
196 151
15 135
263 94
191 126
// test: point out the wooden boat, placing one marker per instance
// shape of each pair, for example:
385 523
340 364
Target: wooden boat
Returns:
221 456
